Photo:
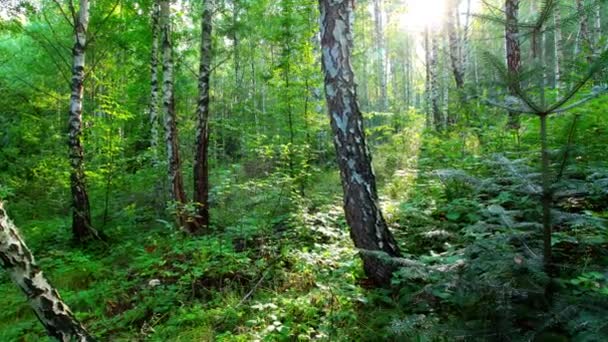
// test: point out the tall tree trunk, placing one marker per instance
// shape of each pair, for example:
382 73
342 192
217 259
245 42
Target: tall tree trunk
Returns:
559 47
381 53
597 25
48 306
368 228
154 93
434 78
81 215
583 24
427 84
513 52
201 164
455 44
176 181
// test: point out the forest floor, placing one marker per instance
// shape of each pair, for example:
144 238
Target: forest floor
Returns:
280 265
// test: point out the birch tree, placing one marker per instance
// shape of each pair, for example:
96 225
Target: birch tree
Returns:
51 310
81 212
176 181
368 228
154 93
201 157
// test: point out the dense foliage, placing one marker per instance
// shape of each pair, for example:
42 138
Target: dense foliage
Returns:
463 195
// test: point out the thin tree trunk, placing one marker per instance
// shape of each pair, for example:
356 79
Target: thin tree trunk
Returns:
597 23
176 181
381 53
201 157
427 84
48 306
369 230
513 52
559 47
455 44
81 215
434 76
583 24
154 93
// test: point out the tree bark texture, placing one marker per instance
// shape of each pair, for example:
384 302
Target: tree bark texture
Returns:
48 306
176 181
81 212
201 157
154 93
368 228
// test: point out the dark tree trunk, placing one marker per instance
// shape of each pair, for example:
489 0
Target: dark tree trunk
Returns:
368 228
81 214
201 157
48 306
513 52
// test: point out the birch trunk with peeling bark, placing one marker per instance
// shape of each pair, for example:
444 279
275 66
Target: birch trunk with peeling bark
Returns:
48 306
513 51
368 228
176 181
154 93
201 157
81 212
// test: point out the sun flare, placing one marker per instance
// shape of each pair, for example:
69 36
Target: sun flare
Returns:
419 14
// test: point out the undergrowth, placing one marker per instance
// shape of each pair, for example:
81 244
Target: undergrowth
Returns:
279 265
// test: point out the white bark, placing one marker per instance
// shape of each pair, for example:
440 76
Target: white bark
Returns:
48 306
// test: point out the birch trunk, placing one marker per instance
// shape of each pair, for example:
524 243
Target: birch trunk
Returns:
81 214
154 93
381 53
48 306
176 181
201 164
513 52
368 228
